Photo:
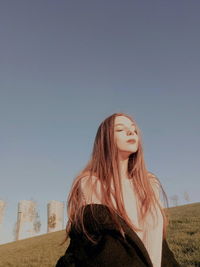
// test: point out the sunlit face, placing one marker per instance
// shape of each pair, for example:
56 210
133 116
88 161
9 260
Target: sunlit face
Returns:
125 135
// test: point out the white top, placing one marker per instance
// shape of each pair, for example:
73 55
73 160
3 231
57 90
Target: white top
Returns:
151 235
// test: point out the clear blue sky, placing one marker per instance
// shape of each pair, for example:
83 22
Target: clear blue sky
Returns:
67 65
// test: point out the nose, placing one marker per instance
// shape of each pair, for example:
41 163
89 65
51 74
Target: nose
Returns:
129 132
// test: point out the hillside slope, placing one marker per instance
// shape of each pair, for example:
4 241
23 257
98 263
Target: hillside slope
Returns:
44 250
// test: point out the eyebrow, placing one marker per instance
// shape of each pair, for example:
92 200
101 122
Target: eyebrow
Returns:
123 124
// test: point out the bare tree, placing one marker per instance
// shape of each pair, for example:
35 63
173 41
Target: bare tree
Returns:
174 200
37 223
186 196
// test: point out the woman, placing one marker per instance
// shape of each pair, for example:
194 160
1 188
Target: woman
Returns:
115 215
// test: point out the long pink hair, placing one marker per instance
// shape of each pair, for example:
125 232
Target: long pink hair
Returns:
103 165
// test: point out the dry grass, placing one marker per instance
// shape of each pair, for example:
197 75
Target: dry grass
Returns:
37 251
184 234
44 250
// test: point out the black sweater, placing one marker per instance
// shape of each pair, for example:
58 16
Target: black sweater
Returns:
112 250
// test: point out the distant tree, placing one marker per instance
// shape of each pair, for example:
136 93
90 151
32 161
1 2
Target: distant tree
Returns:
37 223
52 221
186 196
34 216
174 200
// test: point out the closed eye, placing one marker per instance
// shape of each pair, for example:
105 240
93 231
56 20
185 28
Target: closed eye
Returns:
123 130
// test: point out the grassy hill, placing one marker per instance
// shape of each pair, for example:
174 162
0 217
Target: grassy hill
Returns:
44 250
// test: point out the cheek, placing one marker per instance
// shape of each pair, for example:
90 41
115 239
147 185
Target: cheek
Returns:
119 141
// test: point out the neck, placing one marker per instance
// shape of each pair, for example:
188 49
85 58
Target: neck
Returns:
123 165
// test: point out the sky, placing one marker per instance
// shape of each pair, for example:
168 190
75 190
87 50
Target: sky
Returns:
67 65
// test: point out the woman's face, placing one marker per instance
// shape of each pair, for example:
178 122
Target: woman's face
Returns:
125 135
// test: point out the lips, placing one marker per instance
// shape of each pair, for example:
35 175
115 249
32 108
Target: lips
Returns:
132 141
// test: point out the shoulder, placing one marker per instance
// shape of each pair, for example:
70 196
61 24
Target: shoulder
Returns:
91 189
88 181
157 188
155 183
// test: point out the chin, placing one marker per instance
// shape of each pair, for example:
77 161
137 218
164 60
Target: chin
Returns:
133 152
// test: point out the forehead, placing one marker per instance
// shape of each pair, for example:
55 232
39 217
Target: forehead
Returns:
124 120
